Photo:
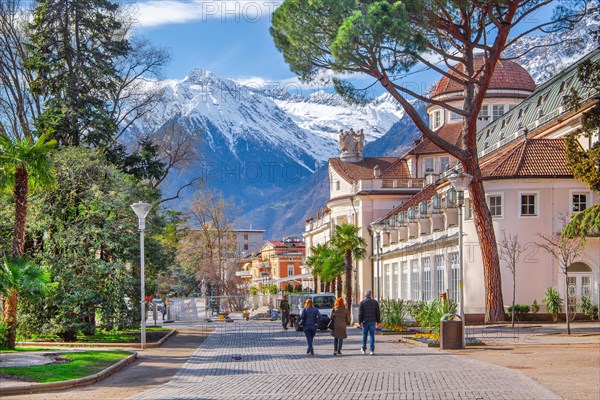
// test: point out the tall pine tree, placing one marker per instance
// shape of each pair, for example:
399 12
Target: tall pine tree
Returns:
73 47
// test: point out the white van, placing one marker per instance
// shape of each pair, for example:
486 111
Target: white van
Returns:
322 301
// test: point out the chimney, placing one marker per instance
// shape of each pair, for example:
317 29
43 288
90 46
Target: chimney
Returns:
376 172
351 145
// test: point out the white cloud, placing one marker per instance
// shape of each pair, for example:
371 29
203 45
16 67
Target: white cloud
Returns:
154 13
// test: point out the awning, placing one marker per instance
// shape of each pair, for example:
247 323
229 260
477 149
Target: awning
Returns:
300 277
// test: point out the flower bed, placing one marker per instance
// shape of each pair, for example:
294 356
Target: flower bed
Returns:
433 340
394 330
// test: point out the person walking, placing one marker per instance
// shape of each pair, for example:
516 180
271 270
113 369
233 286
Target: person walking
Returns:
368 317
310 317
341 319
284 306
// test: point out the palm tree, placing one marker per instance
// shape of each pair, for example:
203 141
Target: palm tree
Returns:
19 276
347 240
24 164
316 259
333 268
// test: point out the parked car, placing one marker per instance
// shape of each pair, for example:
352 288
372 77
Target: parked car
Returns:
322 301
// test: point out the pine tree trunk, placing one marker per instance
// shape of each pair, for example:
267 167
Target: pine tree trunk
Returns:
10 318
20 192
494 308
348 278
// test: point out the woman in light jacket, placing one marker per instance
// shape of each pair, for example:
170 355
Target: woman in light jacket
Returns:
341 318
310 317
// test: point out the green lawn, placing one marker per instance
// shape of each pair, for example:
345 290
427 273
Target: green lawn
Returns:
19 349
82 364
125 336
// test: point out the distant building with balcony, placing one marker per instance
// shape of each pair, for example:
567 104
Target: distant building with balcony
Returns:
279 263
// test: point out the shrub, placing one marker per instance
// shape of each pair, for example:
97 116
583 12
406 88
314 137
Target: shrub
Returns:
535 307
586 307
393 313
432 312
520 311
553 302
3 336
253 291
413 308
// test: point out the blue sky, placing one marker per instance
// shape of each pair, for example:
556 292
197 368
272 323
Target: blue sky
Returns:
230 38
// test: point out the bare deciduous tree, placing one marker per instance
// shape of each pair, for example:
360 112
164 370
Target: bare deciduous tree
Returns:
565 250
208 244
18 107
510 252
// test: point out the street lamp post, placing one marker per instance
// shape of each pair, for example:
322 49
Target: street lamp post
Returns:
142 210
460 183
377 227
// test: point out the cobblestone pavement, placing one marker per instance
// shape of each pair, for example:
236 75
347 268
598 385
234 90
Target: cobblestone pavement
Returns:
260 361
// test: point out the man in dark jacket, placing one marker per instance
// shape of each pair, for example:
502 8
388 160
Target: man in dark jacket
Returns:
284 306
368 317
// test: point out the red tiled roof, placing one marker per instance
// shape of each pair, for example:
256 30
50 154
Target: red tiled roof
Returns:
390 167
449 132
507 75
530 158
426 194
280 245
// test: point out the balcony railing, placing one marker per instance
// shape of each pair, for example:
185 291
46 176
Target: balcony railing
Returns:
379 184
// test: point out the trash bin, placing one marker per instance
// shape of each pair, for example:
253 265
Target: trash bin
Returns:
451 332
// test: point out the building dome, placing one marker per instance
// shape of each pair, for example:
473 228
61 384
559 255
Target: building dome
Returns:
508 75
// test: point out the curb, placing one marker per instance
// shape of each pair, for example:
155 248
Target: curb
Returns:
102 345
41 387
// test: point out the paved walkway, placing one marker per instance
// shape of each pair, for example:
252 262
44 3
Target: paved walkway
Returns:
25 359
260 361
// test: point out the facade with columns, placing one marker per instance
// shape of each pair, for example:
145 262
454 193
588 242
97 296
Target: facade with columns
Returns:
529 188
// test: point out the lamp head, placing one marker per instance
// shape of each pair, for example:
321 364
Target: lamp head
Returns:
377 226
460 182
141 210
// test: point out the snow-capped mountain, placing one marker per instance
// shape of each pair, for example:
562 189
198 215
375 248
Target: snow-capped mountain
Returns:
251 143
224 114
325 114
543 56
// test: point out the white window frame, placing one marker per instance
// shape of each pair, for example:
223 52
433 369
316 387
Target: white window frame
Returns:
387 281
572 193
468 209
426 263
454 276
498 194
484 111
440 284
291 268
447 164
395 280
536 204
415 280
426 170
436 119
405 280
496 107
